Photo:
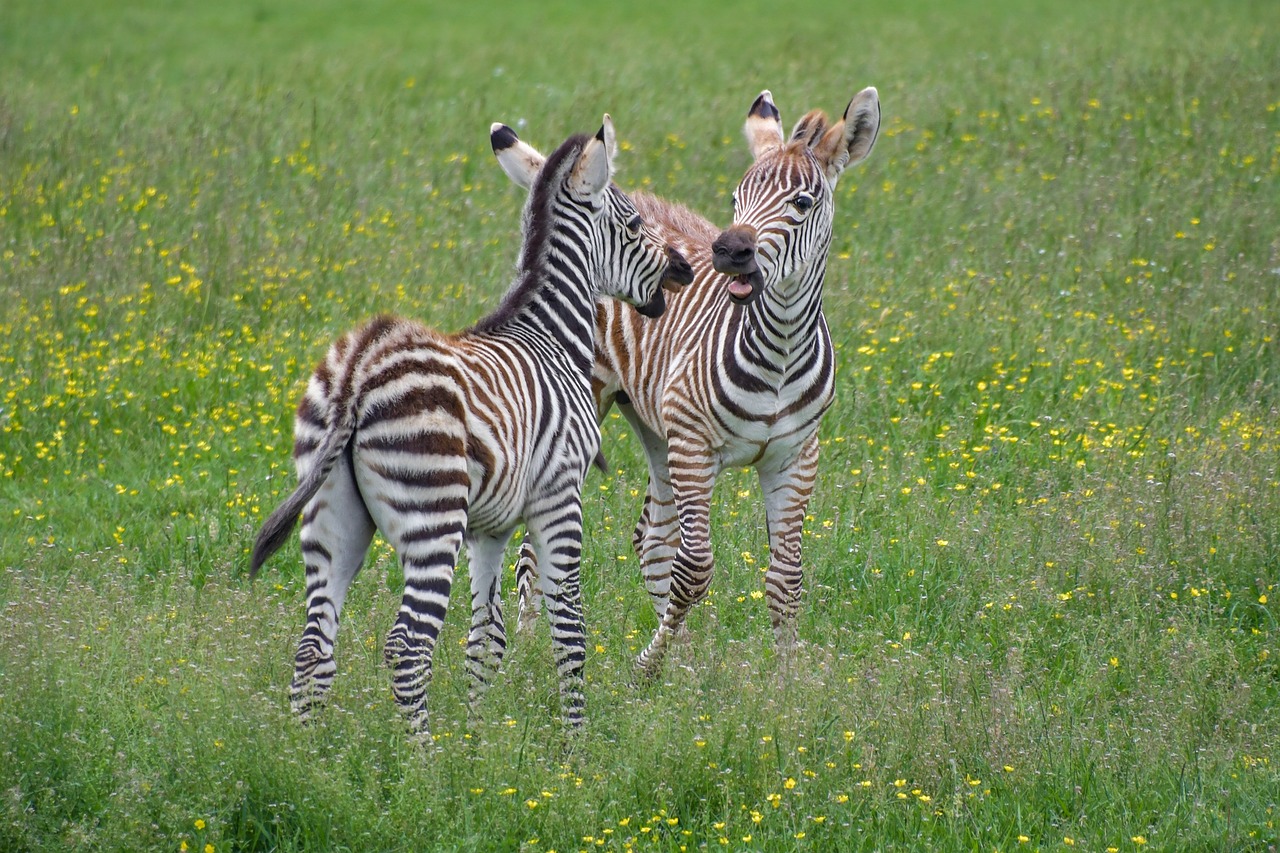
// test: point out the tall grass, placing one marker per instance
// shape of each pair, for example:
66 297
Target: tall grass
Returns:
1040 606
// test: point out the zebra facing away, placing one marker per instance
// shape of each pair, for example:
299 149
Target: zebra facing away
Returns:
738 371
436 440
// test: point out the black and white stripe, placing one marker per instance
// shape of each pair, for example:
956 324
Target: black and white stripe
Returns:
439 440
740 369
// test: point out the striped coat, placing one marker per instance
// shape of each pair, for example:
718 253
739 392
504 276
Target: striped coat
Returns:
740 369
436 440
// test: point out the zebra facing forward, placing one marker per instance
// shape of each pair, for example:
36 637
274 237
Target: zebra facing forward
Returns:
436 440
738 371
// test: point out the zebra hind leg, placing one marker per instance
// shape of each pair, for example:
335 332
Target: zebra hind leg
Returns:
336 531
527 590
428 570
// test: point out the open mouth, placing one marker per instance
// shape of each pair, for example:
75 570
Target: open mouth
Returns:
745 287
654 307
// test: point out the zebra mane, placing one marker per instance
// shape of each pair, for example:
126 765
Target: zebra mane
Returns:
676 223
809 128
536 226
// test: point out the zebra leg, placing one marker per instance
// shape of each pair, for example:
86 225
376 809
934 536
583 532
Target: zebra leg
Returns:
787 490
692 567
527 590
336 531
487 641
424 515
557 542
657 534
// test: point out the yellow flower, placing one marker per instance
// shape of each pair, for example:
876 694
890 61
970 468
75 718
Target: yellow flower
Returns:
789 784
199 824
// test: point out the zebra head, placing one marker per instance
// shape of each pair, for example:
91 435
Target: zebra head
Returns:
631 262
783 209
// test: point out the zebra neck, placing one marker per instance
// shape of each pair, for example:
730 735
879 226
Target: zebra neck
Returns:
785 324
559 312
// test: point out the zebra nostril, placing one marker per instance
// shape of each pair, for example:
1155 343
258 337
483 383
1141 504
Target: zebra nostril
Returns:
733 249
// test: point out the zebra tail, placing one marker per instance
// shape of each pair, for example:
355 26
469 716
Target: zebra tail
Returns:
279 525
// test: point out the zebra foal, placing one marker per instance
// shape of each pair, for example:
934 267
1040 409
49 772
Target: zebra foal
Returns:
738 371
443 440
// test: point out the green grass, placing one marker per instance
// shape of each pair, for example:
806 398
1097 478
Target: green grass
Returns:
1040 608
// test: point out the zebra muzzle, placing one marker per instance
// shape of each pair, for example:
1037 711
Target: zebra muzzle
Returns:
734 254
654 307
679 271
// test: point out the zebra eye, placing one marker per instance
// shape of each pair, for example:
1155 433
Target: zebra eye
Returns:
802 202
634 223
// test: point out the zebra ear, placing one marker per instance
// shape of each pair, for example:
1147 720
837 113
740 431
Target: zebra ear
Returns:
518 159
609 138
593 171
851 139
764 125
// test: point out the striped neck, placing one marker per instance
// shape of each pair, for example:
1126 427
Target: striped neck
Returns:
782 328
553 295
552 299
559 308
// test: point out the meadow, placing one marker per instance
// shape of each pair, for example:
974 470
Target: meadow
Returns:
1040 610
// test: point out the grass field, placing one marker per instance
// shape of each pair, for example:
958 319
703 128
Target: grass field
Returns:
1040 608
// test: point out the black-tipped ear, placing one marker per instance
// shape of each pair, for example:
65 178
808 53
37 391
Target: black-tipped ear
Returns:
764 107
501 137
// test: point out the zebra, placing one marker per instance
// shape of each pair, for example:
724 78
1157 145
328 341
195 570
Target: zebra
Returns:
738 372
439 440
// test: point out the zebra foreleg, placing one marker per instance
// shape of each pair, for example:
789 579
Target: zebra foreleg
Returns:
559 555
691 572
487 640
336 531
657 534
786 497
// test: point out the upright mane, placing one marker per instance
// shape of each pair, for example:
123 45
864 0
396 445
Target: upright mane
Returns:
536 226
676 223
